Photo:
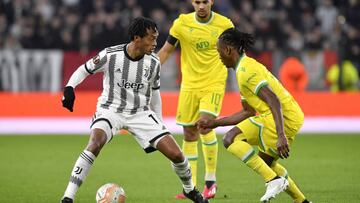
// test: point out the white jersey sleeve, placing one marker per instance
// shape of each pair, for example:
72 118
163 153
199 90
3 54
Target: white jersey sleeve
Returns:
77 77
98 63
156 103
156 83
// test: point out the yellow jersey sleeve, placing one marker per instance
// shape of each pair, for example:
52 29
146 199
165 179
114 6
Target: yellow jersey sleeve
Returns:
175 29
253 81
252 76
201 67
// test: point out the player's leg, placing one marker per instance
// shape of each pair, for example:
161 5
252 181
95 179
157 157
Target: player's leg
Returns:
239 140
101 133
210 107
168 146
84 162
210 152
186 116
237 144
150 133
190 149
292 190
270 155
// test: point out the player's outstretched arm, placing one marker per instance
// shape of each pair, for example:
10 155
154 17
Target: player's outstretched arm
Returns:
268 96
165 52
234 119
76 78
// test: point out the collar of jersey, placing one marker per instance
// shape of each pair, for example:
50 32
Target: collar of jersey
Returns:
129 57
239 61
201 23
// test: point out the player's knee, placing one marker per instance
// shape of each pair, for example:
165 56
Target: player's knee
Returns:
227 139
205 131
97 141
266 158
191 134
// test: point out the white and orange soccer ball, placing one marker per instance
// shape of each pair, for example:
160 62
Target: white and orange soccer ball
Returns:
110 193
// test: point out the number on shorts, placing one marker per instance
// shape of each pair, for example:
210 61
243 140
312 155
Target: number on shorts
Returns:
151 116
215 98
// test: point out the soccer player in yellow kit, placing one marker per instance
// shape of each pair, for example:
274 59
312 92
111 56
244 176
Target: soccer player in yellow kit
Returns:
270 117
203 83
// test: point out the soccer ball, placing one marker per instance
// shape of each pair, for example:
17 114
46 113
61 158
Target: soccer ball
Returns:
110 193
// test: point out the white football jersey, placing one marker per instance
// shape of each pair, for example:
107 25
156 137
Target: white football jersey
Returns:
127 82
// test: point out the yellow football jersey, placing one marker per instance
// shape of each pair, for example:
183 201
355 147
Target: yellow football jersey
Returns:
200 63
252 76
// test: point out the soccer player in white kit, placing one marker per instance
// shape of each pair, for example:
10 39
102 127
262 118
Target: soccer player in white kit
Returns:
130 100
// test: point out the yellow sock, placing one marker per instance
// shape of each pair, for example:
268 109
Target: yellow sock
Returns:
292 190
191 152
210 151
246 153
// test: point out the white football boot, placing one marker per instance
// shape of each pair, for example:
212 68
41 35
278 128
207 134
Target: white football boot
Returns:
273 188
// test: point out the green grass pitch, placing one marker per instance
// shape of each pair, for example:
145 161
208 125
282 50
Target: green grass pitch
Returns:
36 168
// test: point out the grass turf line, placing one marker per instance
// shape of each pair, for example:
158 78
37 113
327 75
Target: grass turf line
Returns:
36 168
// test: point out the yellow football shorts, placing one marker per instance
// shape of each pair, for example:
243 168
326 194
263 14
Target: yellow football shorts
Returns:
261 131
192 103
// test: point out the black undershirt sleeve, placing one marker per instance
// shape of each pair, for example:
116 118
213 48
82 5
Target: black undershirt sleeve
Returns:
172 40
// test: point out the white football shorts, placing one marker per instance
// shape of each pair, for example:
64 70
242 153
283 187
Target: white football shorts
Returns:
146 127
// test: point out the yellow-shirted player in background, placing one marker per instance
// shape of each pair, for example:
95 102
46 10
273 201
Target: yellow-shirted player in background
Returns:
203 83
270 117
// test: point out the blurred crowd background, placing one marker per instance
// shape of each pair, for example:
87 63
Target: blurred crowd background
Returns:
307 44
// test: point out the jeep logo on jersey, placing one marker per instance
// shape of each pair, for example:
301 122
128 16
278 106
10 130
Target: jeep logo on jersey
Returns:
132 85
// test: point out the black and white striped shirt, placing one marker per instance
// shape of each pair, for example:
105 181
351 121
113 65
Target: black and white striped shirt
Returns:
127 83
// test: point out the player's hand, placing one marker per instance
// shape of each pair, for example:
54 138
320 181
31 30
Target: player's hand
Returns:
283 147
68 98
204 123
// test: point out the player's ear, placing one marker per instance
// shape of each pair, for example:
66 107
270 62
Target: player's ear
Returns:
228 50
136 38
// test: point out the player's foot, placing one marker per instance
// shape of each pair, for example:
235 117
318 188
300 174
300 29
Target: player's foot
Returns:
195 196
210 192
273 188
306 201
180 196
66 200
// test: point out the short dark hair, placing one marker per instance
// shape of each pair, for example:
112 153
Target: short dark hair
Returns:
241 41
139 26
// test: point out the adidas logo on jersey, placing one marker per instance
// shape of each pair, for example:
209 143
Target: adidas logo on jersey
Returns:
132 85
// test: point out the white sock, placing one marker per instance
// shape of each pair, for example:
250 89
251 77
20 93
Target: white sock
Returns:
210 177
79 173
184 172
